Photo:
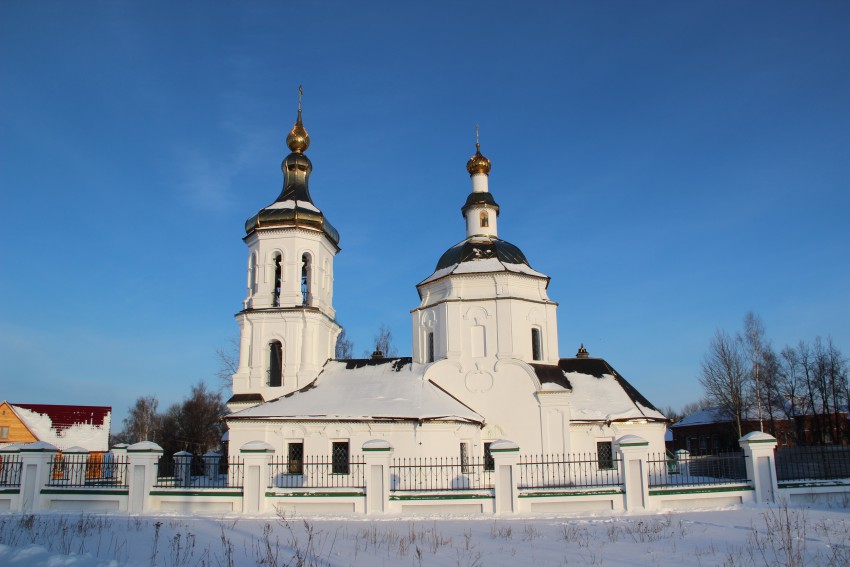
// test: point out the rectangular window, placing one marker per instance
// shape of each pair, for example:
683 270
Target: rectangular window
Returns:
604 455
4 432
339 457
430 347
295 458
489 463
464 457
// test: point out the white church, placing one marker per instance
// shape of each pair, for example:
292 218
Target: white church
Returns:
485 364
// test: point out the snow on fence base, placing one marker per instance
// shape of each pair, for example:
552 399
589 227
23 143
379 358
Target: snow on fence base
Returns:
141 481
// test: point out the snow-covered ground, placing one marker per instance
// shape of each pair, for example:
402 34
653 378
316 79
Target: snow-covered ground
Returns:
775 535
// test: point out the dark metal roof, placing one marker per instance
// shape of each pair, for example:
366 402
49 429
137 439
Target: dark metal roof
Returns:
64 417
296 176
246 399
482 248
397 362
481 198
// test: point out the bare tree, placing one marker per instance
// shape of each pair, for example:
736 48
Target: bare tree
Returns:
228 362
142 422
195 423
725 377
384 342
344 346
753 341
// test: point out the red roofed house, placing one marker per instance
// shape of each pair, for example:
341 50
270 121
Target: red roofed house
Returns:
61 425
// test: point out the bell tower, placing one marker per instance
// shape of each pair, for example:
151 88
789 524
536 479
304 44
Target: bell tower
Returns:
287 325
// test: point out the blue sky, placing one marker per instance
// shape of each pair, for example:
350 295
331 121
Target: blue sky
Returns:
671 165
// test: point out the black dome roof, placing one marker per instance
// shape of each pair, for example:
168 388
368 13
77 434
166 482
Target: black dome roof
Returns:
482 248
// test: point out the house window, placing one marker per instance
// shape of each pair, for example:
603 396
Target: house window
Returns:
306 276
485 220
431 347
489 463
4 432
277 276
275 364
604 455
295 460
464 457
339 457
536 351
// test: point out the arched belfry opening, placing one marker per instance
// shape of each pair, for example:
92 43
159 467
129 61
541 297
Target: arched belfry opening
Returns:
306 279
275 364
277 279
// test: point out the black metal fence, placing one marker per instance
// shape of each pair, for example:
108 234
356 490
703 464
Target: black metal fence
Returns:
10 470
87 470
579 470
318 472
441 473
819 462
682 469
198 472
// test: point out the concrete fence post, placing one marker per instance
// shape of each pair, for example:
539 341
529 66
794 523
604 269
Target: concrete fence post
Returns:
142 464
256 456
505 458
212 461
35 473
635 474
760 459
377 454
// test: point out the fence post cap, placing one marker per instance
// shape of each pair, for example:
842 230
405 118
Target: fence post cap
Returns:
632 441
144 447
120 446
256 447
211 454
757 437
377 445
11 448
75 450
39 447
503 446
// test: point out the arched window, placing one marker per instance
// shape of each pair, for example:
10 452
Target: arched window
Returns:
536 351
277 275
431 346
306 277
275 364
485 220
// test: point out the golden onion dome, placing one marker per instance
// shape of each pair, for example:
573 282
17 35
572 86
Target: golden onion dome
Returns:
478 163
298 139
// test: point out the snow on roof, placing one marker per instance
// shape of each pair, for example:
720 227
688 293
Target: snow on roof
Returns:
291 204
483 266
362 389
66 426
598 392
604 399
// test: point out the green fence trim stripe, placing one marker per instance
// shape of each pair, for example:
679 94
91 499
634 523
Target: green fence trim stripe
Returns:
387 449
663 492
95 491
10 490
570 494
814 484
314 494
213 492
441 497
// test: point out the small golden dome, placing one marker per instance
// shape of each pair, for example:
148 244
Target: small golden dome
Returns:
478 163
298 139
